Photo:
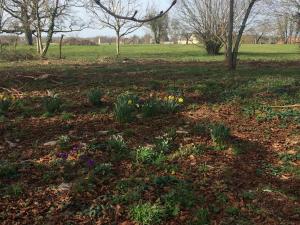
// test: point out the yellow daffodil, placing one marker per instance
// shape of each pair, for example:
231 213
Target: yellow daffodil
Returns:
180 100
171 97
130 102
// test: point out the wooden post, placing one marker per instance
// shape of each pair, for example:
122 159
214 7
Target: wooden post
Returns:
60 46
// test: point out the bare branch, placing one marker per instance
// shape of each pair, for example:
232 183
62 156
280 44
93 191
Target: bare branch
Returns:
133 17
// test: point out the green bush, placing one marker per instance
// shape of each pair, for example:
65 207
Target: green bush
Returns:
94 97
147 214
125 106
220 134
52 104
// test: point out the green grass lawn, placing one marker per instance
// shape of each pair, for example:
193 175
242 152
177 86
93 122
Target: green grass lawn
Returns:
176 52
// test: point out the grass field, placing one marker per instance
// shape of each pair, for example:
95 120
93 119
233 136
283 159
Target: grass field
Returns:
176 52
147 141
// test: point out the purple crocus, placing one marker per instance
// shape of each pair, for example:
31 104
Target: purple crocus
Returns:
63 155
90 163
74 149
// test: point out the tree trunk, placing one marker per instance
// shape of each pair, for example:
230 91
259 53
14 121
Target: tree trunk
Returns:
51 30
235 51
118 43
28 35
230 58
60 46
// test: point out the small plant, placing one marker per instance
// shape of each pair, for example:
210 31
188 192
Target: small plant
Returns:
8 170
94 97
5 104
147 214
152 107
124 107
202 217
232 211
64 142
52 104
118 148
181 195
117 143
201 129
14 190
163 144
67 116
103 169
220 134
149 155
146 155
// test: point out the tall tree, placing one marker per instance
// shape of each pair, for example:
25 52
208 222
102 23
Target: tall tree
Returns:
121 27
158 27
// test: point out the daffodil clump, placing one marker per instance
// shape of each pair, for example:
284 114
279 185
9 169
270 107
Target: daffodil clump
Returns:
172 103
95 97
5 103
125 107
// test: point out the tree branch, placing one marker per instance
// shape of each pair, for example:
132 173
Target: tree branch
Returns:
132 18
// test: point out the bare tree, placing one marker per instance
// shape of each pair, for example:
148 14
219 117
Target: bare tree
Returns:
208 20
180 31
159 27
234 45
122 27
20 10
51 17
285 14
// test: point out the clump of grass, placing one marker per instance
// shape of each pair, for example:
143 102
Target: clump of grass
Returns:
147 214
5 104
125 106
220 134
94 97
52 104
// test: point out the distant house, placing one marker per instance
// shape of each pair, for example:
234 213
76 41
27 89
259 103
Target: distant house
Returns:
193 40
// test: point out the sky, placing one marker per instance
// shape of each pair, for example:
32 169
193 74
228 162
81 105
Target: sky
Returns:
94 32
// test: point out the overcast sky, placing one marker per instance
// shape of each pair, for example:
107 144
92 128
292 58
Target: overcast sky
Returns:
160 4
